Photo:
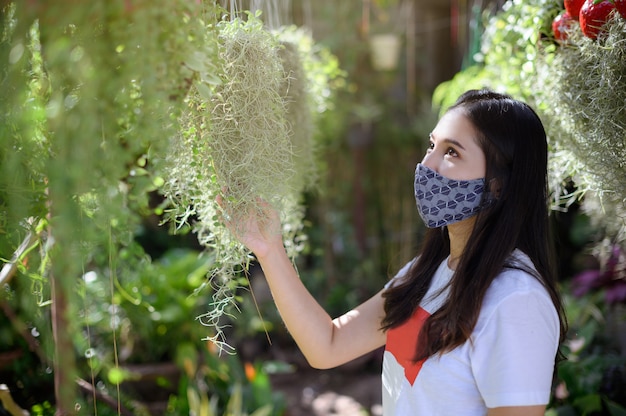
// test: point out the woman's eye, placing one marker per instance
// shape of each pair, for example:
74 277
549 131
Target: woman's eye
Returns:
451 152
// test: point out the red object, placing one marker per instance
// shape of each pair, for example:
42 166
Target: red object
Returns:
561 24
573 7
620 5
593 15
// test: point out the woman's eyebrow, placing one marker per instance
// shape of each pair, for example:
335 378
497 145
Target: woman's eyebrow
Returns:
448 141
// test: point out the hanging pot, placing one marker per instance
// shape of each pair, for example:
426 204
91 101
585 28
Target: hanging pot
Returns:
384 51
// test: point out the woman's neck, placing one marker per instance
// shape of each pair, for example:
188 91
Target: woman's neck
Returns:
459 234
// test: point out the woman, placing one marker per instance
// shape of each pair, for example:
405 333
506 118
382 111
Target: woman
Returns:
472 325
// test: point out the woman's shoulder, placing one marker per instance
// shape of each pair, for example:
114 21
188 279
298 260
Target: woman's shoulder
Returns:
519 272
518 279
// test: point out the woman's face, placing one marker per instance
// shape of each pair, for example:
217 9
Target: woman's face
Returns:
453 149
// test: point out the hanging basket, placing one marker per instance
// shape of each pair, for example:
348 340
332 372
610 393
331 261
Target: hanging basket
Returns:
385 51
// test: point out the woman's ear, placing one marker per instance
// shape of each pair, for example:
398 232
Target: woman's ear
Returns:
495 187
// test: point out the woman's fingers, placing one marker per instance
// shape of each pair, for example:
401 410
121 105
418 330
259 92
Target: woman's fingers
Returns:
223 213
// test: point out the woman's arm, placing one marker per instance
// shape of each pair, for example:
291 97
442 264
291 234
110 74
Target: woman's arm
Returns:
518 411
324 342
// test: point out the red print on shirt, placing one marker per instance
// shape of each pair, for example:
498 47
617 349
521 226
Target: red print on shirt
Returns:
402 342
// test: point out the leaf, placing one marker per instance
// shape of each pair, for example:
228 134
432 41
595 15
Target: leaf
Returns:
193 399
562 411
196 62
263 411
203 90
158 181
210 78
235 404
615 409
205 406
117 375
589 403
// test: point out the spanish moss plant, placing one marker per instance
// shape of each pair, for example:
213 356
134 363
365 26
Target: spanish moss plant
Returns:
584 83
298 114
248 138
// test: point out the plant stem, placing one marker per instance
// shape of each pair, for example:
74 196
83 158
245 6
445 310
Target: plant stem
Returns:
9 269
8 403
105 398
64 350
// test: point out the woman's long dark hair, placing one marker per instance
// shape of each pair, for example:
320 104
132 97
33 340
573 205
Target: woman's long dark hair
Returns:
514 142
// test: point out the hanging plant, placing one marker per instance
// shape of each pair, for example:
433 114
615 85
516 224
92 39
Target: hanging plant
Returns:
583 91
247 137
85 117
298 114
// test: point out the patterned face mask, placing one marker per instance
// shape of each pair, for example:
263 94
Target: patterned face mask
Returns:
442 201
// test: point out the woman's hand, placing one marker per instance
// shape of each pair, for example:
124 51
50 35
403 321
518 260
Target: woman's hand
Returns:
259 230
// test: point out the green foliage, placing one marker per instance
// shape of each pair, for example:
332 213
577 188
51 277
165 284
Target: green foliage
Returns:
148 310
88 108
147 318
583 379
99 91
23 148
221 384
446 93
105 105
312 73
512 41
250 144
43 409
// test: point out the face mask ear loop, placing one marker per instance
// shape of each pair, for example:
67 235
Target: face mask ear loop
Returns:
494 188
492 192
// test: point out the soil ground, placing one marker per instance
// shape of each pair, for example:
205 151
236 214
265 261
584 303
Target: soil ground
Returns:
330 392
353 389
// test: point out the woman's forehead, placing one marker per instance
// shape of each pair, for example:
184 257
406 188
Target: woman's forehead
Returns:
455 125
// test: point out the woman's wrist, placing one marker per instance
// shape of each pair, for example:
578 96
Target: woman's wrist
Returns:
272 253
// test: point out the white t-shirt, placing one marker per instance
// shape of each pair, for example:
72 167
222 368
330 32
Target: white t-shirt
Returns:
509 361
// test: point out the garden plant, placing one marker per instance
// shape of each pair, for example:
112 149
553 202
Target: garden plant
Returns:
108 120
